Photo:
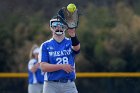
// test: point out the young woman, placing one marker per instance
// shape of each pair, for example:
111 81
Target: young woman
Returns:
36 77
57 59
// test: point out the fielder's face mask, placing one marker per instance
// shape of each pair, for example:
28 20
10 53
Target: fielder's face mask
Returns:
58 27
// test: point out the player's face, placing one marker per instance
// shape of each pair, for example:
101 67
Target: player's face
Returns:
36 55
58 27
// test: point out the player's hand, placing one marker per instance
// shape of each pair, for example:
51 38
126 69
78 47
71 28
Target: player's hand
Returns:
71 32
37 65
68 68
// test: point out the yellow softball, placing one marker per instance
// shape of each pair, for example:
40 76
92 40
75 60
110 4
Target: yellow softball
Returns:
71 7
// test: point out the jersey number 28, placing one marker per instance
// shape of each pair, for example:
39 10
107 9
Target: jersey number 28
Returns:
63 60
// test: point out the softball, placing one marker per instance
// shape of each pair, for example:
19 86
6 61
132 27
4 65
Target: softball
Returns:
71 7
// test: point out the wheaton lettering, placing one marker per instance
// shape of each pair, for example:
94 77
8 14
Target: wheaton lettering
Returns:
60 53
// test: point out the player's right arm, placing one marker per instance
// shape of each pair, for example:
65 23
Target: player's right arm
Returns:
46 67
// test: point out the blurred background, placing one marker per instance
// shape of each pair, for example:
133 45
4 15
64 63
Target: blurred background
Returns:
109 32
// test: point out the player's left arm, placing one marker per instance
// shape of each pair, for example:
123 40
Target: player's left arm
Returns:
74 39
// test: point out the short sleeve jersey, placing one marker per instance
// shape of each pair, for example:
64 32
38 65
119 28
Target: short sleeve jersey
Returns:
36 77
55 52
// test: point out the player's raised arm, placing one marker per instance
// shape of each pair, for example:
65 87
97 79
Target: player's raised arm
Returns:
74 39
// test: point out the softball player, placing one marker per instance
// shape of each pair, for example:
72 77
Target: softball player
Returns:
36 77
57 57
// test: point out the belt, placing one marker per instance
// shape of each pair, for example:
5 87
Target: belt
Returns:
63 80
